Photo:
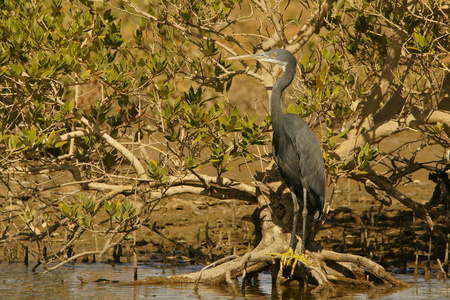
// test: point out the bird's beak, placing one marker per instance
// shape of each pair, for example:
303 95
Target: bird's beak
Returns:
251 56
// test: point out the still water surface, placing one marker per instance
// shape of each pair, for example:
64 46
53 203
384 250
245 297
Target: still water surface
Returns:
18 282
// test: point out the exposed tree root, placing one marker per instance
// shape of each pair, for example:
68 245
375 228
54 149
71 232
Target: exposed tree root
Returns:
326 268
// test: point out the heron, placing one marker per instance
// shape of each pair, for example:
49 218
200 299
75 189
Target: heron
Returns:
296 152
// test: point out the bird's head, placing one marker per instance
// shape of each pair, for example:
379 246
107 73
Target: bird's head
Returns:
280 57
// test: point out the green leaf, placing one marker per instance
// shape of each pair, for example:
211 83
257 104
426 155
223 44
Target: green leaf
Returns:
28 214
86 74
155 171
87 220
209 48
191 162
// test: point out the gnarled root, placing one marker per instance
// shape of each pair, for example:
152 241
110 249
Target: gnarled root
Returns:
326 269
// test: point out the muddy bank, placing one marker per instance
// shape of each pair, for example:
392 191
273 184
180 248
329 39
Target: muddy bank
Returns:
355 223
197 229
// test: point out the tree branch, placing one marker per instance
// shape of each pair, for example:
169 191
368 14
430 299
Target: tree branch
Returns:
387 76
395 104
387 186
418 116
94 129
311 26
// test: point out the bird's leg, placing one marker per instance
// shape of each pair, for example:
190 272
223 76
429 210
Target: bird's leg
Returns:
289 256
304 214
295 209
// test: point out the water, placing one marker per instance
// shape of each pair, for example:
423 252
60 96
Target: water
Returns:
18 282
420 289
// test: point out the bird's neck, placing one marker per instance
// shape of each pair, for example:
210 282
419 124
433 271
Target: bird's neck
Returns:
277 92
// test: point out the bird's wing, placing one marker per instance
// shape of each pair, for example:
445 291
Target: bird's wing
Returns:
311 166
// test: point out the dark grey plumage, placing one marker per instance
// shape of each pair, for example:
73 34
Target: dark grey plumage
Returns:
295 149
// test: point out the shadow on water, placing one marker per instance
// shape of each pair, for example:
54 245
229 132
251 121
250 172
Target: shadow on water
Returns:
81 281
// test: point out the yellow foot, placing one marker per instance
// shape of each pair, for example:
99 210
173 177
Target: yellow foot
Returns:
289 257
